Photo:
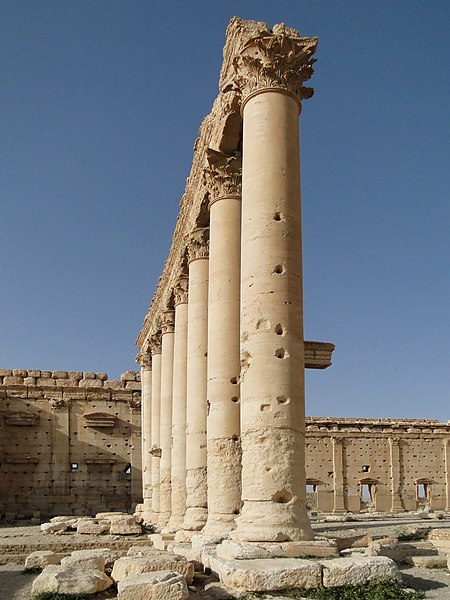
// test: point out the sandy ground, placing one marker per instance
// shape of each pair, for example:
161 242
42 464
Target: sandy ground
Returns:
15 540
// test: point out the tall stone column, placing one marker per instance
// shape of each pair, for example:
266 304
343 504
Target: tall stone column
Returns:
167 321
179 405
223 179
394 454
196 484
447 472
145 361
60 473
272 343
338 474
155 347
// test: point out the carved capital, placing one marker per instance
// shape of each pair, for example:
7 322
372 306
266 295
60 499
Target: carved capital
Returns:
198 244
155 343
144 359
167 321
57 404
278 60
223 176
337 441
135 401
180 290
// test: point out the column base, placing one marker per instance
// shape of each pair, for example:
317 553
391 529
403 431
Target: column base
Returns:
236 550
219 525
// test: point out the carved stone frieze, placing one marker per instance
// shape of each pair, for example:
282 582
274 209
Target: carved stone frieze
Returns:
180 290
167 321
198 244
276 60
57 403
223 176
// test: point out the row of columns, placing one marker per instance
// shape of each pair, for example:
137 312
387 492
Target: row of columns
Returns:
225 430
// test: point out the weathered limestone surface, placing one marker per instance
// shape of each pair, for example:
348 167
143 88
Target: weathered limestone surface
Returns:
160 585
357 571
66 442
70 580
41 559
164 561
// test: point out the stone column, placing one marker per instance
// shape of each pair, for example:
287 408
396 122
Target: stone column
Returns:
447 472
223 178
394 454
179 406
145 361
60 473
167 321
155 347
196 484
135 448
272 343
338 475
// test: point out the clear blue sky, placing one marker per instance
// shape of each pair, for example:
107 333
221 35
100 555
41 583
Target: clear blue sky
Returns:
100 104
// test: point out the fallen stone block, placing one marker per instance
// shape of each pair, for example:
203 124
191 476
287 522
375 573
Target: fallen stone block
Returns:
85 559
234 550
41 559
125 526
92 528
53 527
159 585
69 580
438 561
265 575
141 551
134 565
358 571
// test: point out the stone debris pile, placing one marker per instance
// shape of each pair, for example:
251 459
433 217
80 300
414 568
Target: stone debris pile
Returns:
113 523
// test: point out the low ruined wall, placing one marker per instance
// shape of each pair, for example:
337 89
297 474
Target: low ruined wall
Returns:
69 442
379 464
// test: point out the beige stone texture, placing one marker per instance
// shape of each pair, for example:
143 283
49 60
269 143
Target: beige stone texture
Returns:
90 560
92 528
165 485
160 585
53 527
156 418
358 570
125 526
178 474
236 550
164 561
260 575
438 561
146 427
41 559
70 580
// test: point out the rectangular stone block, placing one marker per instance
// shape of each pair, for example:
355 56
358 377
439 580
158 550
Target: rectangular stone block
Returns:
29 381
91 383
12 380
6 373
133 385
45 382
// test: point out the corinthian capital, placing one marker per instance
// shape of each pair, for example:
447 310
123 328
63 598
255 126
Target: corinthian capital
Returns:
155 343
167 321
180 290
144 359
276 60
223 176
198 244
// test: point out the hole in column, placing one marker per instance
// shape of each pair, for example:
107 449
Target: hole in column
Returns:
281 353
279 329
235 399
282 497
208 407
278 269
265 408
283 400
236 511
263 324
234 380
277 216
235 438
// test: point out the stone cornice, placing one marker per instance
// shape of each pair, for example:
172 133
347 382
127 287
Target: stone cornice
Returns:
223 176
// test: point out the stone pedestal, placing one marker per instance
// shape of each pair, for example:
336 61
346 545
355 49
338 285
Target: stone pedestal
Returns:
223 431
179 407
165 486
196 484
155 345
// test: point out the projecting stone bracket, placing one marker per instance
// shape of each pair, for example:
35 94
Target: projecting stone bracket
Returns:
99 419
318 355
22 418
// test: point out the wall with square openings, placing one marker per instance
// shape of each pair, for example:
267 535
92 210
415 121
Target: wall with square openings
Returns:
384 465
70 442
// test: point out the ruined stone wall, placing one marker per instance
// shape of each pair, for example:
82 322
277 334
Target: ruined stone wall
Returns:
69 442
377 464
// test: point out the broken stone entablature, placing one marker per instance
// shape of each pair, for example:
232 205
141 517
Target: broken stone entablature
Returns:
69 441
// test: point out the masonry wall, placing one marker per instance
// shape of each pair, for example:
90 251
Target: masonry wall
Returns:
377 464
69 442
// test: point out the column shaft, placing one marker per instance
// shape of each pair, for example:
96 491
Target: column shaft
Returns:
338 475
165 492
394 453
223 426
146 428
156 414
179 418
196 484
272 346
